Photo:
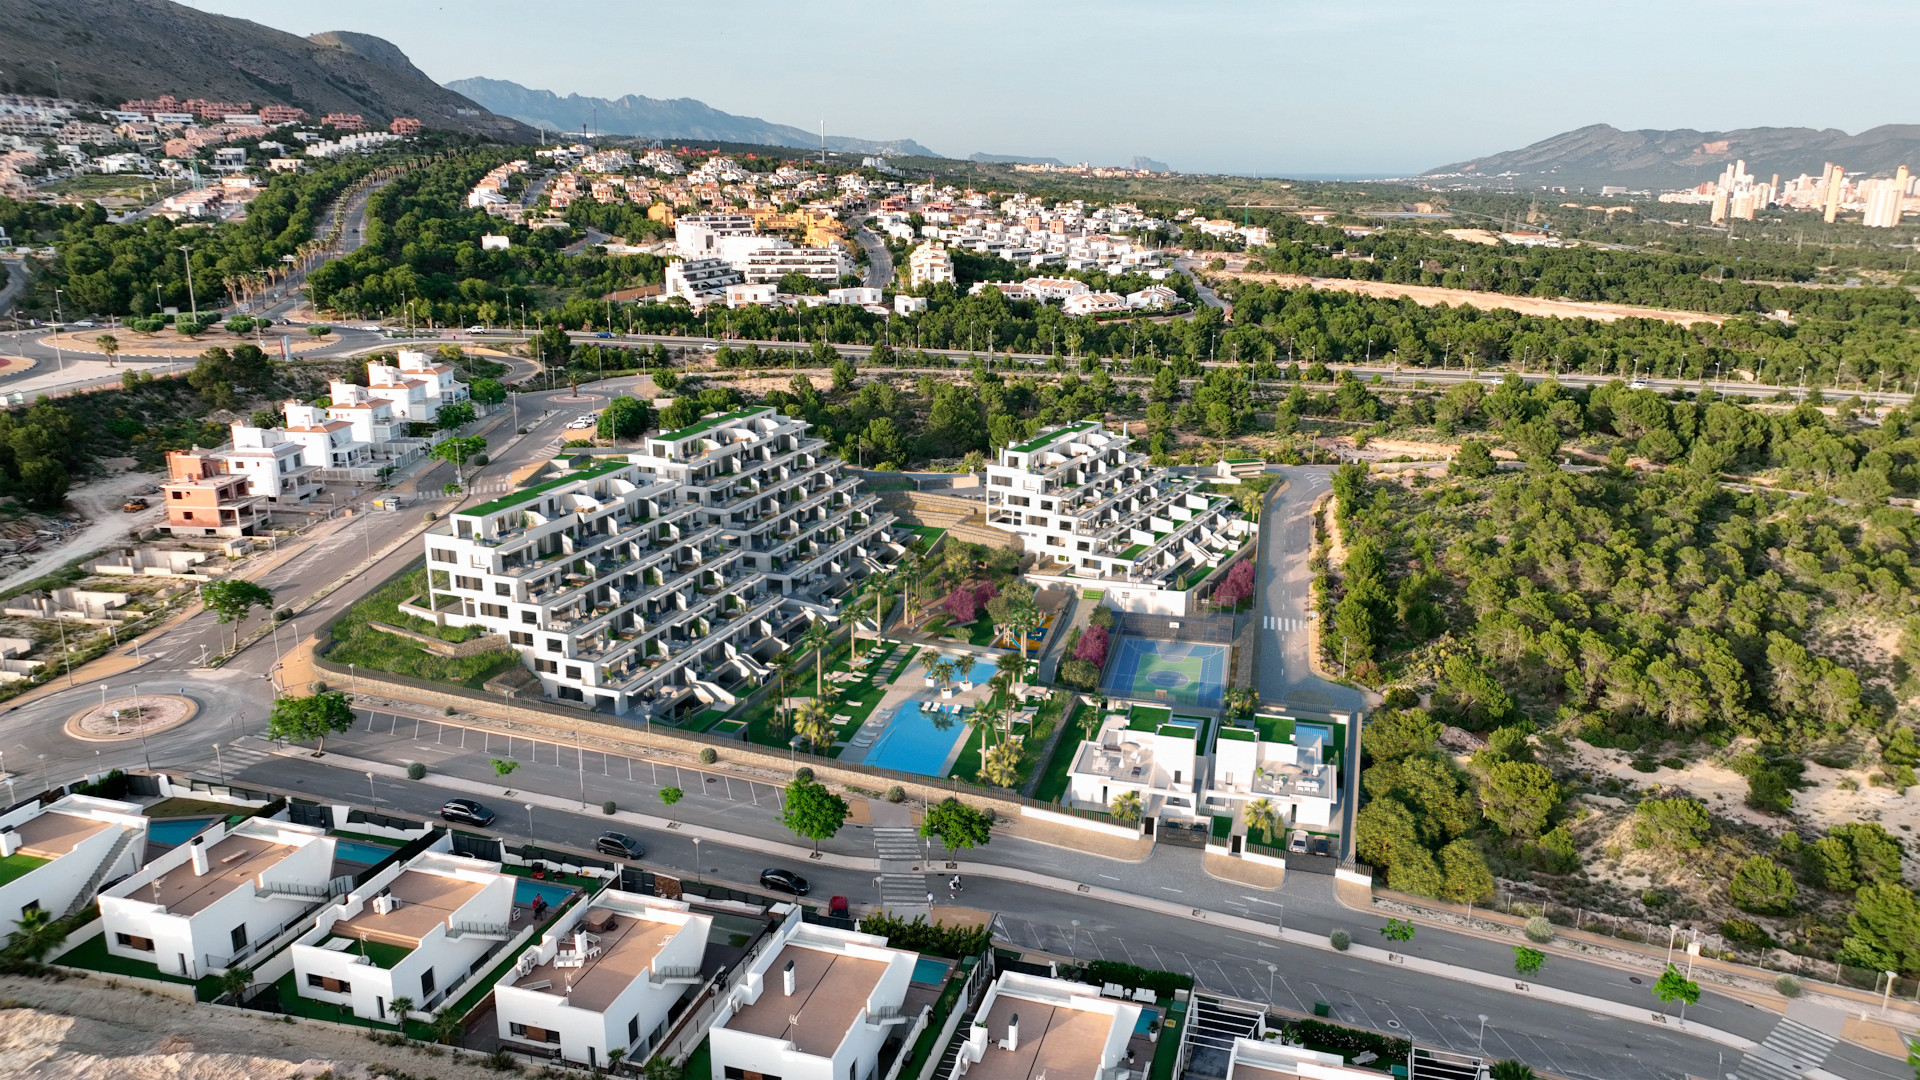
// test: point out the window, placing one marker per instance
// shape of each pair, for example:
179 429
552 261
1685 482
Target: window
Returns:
494 611
426 984
546 666
554 645
1035 519
501 588
139 944
1056 541
518 638
188 515
633 1031
470 583
528 618
178 494
329 984
1002 481
239 937
533 1034
1046 504
440 555
735 1073
1086 546
573 671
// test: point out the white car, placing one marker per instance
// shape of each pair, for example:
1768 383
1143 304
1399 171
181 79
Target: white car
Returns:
476 329
1637 384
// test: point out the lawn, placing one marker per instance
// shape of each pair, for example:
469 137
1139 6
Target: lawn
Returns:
968 763
182 807
1167 1051
382 954
92 955
354 642
1148 717
927 537
699 1064
19 865
704 721
1054 779
759 720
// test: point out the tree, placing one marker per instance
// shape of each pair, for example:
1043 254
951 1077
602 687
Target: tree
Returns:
298 719
231 598
1510 1070
34 934
456 450
503 767
453 415
1000 765
1259 815
1467 879
1472 460
625 418
1673 986
1390 735
111 346
1398 930
1673 822
447 1025
1763 887
813 812
671 795
814 725
487 391
1241 701
957 826
1884 930
552 347
400 1007
1126 806
1527 961
1518 796
663 1067
235 981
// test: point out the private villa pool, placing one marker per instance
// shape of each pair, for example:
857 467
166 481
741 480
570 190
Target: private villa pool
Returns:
913 742
357 851
525 891
175 831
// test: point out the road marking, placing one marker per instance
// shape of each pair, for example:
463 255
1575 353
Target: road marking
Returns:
1109 877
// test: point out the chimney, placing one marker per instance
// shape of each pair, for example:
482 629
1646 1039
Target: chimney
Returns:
199 851
786 978
1012 1041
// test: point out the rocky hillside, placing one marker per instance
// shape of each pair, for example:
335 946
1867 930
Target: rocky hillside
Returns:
659 118
109 51
1600 154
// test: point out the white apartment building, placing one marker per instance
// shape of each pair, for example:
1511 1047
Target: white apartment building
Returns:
216 899
929 264
276 466
816 1004
415 386
328 443
701 281
739 296
55 856
776 259
605 977
1161 761
668 574
416 931
1030 1026
1082 496
698 236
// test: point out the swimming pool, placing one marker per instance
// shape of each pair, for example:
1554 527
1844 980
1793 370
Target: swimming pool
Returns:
175 831
914 743
525 891
928 971
355 851
1145 1023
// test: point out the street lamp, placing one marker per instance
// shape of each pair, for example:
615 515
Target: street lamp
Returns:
696 858
186 259
1272 970
529 807
370 790
1483 1033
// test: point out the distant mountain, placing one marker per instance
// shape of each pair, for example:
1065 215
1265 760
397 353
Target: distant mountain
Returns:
1015 159
1600 154
657 118
109 51
1148 164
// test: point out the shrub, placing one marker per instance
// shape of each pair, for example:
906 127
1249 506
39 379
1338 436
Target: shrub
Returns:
319 686
416 770
608 807
448 711
896 794
803 775
1763 887
477 460
1746 932
1092 647
283 614
708 756
1788 986
1340 939
671 795
1538 929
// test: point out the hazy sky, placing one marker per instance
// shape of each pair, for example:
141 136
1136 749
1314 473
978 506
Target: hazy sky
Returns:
1355 87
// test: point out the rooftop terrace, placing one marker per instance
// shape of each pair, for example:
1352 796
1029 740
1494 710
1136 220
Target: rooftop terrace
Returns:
829 991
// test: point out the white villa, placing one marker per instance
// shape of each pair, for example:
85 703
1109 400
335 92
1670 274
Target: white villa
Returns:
1030 1026
54 857
1293 776
1148 752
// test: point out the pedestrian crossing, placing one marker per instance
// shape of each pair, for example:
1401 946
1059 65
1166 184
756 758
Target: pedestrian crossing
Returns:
244 751
1787 1053
894 844
899 891
1282 625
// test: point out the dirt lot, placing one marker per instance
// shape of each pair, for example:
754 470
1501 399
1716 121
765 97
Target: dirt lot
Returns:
1431 296
84 1029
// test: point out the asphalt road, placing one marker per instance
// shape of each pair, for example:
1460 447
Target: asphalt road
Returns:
879 259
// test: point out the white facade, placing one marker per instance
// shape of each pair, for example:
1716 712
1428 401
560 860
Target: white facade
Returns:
212 901
78 842
1294 777
1272 1059
699 281
816 1004
739 296
929 264
1095 303
426 926
443 379
634 582
1080 495
698 236
1162 765
774 261
1032 1026
276 466
605 977
327 443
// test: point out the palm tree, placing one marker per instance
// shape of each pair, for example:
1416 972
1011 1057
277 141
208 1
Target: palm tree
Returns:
35 935
1241 701
400 1007
942 672
814 724
1014 666
1260 814
447 1026
783 672
816 639
1126 807
111 346
963 665
235 981
613 1059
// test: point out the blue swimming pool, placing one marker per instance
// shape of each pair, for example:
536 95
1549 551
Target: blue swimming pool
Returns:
175 831
525 891
355 851
1145 1023
914 743
928 971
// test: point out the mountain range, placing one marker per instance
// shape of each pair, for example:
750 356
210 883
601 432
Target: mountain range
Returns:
1600 154
658 118
109 51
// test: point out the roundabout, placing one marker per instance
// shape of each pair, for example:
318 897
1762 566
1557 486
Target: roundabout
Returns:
131 717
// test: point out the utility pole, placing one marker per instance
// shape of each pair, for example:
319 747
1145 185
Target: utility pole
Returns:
186 258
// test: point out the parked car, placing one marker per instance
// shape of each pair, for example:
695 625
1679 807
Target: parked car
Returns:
476 329
467 812
837 907
618 845
1322 846
603 334
133 506
785 881
1298 843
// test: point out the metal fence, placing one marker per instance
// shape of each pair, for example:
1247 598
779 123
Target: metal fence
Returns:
1201 629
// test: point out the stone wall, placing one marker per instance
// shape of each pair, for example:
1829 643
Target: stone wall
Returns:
459 649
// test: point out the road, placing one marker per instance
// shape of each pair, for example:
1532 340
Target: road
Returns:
879 259
737 819
16 283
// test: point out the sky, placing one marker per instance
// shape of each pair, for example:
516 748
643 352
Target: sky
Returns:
1283 87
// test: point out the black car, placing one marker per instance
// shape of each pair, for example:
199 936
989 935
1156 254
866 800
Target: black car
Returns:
467 812
1322 846
785 881
618 845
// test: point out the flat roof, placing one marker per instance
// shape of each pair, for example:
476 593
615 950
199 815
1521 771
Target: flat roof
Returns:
829 990
426 900
707 425
626 953
1044 438
231 864
54 833
1058 1042
505 502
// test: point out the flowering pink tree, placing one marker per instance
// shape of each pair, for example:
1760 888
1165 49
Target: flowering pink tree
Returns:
960 605
1093 646
984 592
1237 586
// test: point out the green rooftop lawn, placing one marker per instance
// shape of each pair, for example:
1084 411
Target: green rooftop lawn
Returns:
382 954
1147 717
19 865
1274 729
1133 551
1238 734
704 426
1196 576
1178 731
1041 440
506 502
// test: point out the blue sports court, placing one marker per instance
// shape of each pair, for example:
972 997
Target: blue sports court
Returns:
1177 672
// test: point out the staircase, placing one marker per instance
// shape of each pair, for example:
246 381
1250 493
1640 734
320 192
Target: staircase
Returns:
85 895
952 1052
1213 1023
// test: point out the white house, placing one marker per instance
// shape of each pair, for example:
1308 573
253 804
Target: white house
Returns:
276 467
215 900
908 305
1029 1026
1146 751
1095 303
605 977
52 858
699 281
324 442
817 1004
1272 1059
416 931
1153 297
1294 775
739 296
929 264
